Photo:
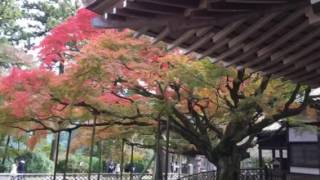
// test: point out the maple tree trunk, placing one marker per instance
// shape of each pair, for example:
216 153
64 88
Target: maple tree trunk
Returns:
228 167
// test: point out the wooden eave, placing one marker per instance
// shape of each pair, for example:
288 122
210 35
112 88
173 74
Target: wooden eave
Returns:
278 37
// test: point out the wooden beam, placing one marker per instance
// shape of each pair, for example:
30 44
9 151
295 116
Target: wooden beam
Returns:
219 40
185 36
258 1
252 29
200 42
154 8
232 7
297 74
251 48
229 52
298 65
244 35
313 66
287 62
214 48
202 31
175 3
296 46
312 82
101 6
227 30
267 51
135 14
205 14
305 51
274 30
165 32
140 32
278 43
312 78
173 23
307 77
259 63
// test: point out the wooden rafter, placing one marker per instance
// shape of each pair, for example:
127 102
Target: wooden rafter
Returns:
279 37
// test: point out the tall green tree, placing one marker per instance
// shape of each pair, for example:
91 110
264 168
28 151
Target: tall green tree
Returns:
23 22
9 13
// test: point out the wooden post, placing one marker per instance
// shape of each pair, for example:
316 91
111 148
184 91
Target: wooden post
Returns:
158 155
261 163
147 167
122 159
56 157
131 163
6 150
92 146
260 158
167 149
100 144
273 154
67 155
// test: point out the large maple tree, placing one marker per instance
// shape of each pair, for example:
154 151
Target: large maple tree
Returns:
119 80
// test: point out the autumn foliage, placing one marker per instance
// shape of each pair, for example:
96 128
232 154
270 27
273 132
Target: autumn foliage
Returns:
126 82
66 39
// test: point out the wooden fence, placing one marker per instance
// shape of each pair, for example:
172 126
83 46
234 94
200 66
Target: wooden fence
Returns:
82 176
246 174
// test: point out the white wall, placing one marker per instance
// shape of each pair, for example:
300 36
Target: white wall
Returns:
302 134
303 170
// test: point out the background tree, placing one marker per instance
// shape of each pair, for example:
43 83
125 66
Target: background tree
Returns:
9 13
24 22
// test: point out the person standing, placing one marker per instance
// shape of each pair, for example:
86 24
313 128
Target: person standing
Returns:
21 169
118 169
13 171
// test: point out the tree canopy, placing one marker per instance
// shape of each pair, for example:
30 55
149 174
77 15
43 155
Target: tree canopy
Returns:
119 80
121 84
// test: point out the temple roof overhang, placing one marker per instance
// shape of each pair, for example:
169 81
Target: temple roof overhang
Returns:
278 37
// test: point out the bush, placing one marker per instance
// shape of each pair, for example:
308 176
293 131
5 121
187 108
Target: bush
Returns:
3 168
37 162
79 164
138 167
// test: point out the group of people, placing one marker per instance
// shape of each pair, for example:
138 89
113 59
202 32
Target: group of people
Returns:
17 170
112 167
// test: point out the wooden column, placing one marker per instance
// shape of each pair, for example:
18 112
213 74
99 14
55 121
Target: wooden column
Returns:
260 158
67 155
167 150
158 154
122 159
56 157
273 154
92 146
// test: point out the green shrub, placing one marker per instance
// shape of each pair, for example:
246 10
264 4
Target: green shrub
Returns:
37 162
79 164
3 168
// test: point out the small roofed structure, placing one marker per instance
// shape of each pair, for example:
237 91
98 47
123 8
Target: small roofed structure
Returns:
276 142
278 37
295 151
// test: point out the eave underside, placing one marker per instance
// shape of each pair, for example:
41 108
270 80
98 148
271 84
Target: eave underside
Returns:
278 37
